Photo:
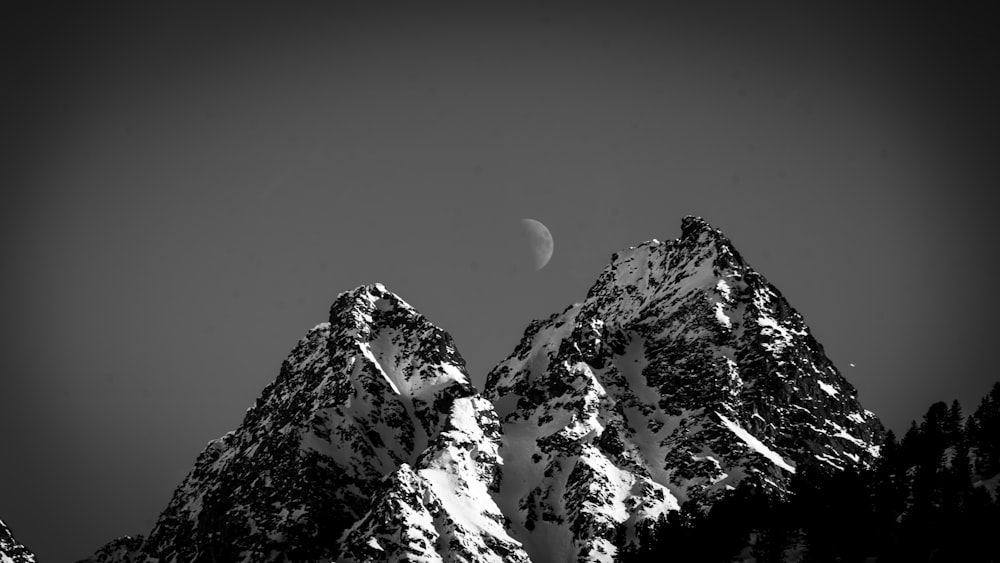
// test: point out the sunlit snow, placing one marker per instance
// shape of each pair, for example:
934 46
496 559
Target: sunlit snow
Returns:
756 444
828 389
724 289
720 315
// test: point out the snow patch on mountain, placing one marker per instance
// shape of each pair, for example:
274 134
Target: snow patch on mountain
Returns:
755 444
451 515
832 391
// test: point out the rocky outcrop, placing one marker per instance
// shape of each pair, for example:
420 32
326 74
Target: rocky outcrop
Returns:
11 550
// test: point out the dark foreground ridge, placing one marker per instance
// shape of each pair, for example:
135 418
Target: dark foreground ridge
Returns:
930 497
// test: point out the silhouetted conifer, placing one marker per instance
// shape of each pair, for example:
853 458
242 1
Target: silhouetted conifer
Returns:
954 425
925 500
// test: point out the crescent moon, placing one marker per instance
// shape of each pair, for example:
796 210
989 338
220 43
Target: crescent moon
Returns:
540 240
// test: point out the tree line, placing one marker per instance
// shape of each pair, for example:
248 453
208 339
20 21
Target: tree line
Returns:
930 497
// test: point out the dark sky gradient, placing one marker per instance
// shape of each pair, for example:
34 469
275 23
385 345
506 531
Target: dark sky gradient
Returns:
186 190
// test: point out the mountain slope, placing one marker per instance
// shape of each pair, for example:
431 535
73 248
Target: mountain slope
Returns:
443 510
683 373
361 399
11 550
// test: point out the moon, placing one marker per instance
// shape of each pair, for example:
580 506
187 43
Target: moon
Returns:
540 240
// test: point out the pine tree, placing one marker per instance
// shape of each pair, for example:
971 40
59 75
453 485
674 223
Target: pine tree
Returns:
984 434
889 492
918 503
954 424
910 446
971 441
935 433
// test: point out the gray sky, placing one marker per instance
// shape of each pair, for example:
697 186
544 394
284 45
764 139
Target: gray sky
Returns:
187 189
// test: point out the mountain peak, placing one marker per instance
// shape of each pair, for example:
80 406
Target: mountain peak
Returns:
694 228
697 231
324 455
368 297
693 224
682 374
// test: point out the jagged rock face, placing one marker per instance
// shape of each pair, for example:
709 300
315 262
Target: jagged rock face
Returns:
443 511
372 392
683 373
125 548
11 550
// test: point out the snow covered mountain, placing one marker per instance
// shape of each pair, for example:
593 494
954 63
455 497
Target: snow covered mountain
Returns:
683 373
371 441
11 551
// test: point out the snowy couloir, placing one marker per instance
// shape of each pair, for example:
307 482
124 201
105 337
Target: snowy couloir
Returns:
683 373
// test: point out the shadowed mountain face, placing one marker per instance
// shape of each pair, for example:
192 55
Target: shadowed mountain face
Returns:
682 374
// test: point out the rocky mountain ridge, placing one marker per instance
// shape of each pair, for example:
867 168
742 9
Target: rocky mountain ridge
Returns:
372 414
11 550
682 374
